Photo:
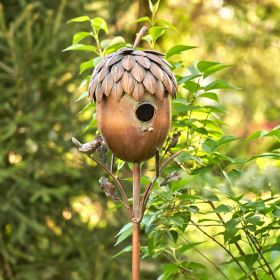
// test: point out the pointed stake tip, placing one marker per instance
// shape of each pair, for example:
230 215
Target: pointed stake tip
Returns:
139 36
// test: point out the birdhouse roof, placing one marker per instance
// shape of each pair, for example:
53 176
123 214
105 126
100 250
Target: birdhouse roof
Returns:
132 72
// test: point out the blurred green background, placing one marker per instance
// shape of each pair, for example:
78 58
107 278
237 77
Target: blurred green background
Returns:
55 223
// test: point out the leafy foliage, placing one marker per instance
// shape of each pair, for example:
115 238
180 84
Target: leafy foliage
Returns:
205 199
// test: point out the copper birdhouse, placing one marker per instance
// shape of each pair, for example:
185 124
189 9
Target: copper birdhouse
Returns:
132 90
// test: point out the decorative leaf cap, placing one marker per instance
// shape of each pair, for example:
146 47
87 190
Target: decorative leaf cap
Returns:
132 72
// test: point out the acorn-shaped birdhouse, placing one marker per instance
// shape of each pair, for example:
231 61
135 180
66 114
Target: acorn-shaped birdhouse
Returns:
132 90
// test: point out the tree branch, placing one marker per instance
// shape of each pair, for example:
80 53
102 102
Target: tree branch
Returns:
118 183
149 188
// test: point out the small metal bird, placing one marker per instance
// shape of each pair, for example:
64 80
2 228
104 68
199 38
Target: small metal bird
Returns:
102 149
172 142
88 148
108 188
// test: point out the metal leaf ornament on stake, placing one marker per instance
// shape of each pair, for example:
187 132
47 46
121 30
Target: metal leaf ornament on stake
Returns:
132 90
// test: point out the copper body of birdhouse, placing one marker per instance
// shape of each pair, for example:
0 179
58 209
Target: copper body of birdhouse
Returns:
132 90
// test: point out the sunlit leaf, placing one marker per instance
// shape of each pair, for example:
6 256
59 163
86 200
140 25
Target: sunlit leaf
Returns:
87 107
215 68
127 249
209 145
124 233
184 79
79 19
192 86
204 65
187 247
223 209
178 49
156 32
86 65
141 19
99 23
80 36
210 95
82 96
81 47
220 84
153 7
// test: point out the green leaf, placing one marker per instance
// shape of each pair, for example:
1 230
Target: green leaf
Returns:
204 65
166 24
105 43
81 47
193 209
184 79
256 134
115 44
178 108
209 145
86 65
210 95
276 213
148 38
153 7
264 155
274 132
193 70
127 249
92 123
187 247
82 96
156 32
99 23
125 232
178 49
168 270
225 139
124 228
177 220
272 247
250 259
174 235
194 266
192 86
263 133
231 229
87 107
215 68
220 84
79 19
223 209
181 101
80 36
141 19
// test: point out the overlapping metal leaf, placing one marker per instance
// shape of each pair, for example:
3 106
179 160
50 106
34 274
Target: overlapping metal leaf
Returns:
132 72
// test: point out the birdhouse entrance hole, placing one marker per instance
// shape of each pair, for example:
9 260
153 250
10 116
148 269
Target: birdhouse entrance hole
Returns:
145 112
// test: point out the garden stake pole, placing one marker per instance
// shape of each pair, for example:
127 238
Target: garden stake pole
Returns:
136 222
138 207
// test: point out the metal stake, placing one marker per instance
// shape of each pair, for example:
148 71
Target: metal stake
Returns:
138 208
136 222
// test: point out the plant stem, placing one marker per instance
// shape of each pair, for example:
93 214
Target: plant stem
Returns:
149 188
221 245
258 248
235 242
205 257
